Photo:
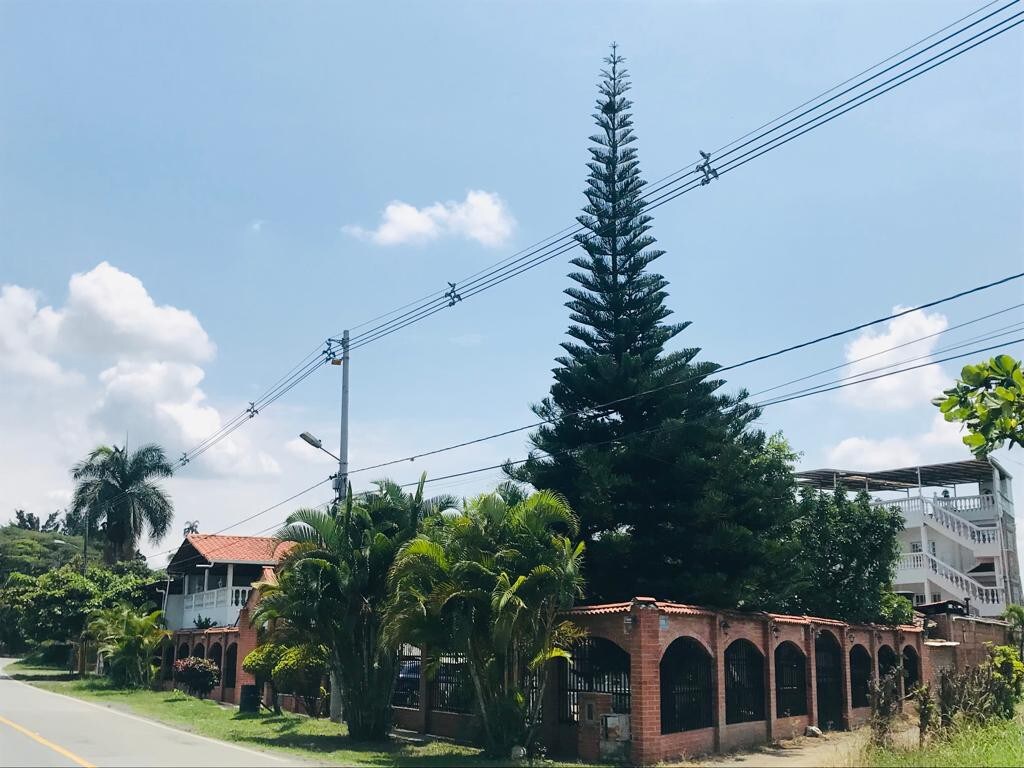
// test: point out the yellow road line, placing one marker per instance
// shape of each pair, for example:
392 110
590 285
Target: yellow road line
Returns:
58 749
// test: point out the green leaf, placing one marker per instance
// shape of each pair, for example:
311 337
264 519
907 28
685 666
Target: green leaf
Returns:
974 440
1005 393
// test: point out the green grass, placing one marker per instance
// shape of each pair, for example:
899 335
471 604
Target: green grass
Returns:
318 740
994 744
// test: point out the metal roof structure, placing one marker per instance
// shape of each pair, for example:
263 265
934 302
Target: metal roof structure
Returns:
926 475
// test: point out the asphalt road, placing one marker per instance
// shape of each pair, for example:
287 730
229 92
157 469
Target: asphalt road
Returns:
39 728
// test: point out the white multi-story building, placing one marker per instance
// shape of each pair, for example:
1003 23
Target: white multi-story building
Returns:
959 537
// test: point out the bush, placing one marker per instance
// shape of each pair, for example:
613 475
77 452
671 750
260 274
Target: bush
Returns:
199 676
1007 674
260 664
885 704
300 671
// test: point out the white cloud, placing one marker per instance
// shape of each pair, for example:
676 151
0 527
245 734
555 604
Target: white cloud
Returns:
111 361
904 390
942 442
482 216
256 225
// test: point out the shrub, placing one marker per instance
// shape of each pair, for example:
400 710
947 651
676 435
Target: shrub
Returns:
1007 679
199 676
885 703
926 720
260 664
300 672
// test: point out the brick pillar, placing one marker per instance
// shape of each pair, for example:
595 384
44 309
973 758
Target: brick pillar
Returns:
812 676
924 659
719 642
898 642
645 681
845 644
246 644
873 635
769 679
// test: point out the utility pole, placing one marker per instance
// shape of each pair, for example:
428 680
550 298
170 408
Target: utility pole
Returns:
341 489
341 482
85 542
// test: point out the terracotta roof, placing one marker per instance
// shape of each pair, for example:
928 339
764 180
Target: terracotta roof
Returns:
238 549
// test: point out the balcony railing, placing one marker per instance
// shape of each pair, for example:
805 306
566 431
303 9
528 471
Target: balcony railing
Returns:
941 512
959 583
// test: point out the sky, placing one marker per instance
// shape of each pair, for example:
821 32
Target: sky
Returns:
194 196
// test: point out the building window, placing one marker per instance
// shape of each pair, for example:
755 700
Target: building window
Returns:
915 546
936 597
931 546
918 599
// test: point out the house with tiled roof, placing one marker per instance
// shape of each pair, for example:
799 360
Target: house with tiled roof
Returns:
211 576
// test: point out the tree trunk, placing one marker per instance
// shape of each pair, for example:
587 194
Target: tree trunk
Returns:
336 709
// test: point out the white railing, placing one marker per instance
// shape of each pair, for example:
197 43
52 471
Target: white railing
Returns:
964 528
940 511
960 583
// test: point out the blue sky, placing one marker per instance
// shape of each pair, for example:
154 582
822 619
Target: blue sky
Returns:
221 158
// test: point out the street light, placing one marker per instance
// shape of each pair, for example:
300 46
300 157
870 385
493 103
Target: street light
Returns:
317 443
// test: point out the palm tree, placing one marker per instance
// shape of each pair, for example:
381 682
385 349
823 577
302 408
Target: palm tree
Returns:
492 584
333 590
128 640
118 488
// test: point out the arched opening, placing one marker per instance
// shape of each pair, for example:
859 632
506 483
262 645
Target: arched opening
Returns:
199 651
597 665
828 663
860 677
215 654
744 683
687 687
167 664
911 669
790 680
230 663
183 651
887 661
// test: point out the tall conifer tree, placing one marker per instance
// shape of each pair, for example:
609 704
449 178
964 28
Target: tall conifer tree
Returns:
673 492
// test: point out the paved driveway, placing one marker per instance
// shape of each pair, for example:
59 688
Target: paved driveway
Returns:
39 728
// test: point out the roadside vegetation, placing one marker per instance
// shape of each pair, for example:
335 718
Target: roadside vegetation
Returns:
974 718
318 740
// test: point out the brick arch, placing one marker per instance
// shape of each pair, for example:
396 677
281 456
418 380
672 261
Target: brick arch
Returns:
829 631
911 667
828 673
744 682
183 651
790 679
215 654
199 650
598 664
683 634
860 676
687 682
887 659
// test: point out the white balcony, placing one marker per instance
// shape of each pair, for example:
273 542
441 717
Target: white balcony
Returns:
945 515
221 605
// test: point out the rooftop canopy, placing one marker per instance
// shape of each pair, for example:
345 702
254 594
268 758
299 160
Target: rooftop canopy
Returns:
927 475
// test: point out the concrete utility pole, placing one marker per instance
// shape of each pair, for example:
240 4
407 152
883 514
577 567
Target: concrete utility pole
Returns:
341 482
341 488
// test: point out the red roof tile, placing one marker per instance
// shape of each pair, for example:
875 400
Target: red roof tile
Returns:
238 549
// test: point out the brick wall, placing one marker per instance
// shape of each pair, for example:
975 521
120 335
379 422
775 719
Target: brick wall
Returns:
974 635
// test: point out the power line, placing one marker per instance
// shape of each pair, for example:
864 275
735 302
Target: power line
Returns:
535 256
595 410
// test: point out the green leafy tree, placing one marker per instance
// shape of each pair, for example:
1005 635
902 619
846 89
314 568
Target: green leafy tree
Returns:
121 490
844 559
1007 672
675 494
895 609
300 671
30 522
128 640
988 400
33 552
492 583
333 591
1014 615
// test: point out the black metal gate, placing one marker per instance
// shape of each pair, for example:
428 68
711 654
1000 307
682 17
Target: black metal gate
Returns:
687 687
596 665
829 677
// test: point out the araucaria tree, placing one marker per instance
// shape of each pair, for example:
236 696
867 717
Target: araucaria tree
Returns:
120 489
673 490
492 583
